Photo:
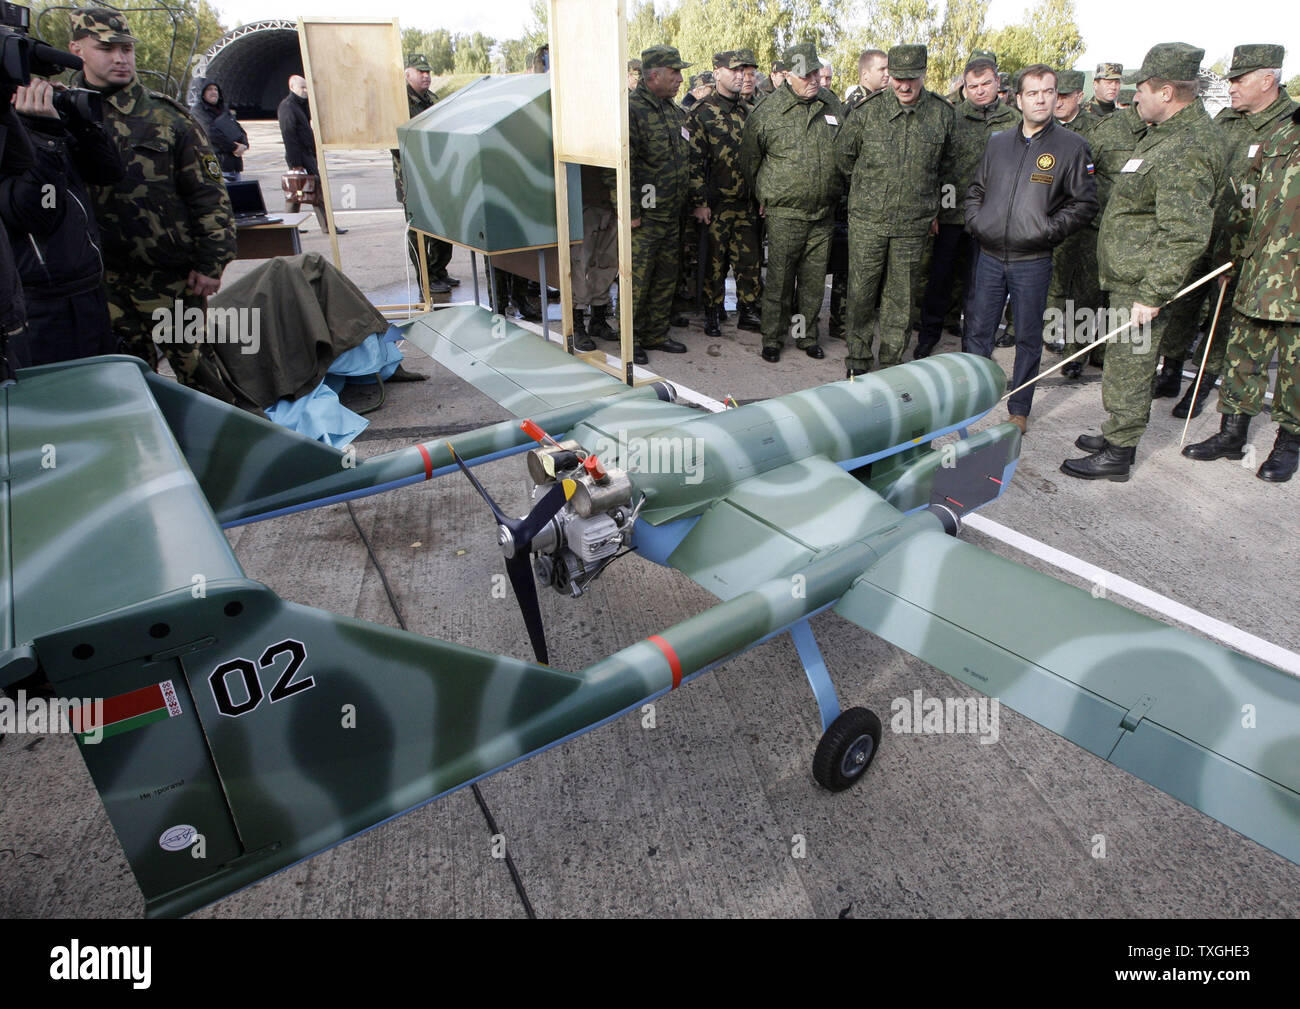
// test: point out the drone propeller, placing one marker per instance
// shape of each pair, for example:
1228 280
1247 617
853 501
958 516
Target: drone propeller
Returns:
515 536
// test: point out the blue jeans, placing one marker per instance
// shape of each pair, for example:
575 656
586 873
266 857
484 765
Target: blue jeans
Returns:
1027 282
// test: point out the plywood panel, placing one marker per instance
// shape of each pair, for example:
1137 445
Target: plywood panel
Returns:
587 58
354 66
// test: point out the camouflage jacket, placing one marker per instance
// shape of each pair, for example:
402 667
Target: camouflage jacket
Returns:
659 154
787 154
716 125
1269 287
1160 217
1101 110
415 103
1245 134
170 211
896 157
1113 141
972 130
1083 122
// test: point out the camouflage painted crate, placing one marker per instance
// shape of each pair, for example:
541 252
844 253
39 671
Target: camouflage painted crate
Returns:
478 166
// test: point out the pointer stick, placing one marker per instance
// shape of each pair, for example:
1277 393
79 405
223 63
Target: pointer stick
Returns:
1223 288
1114 332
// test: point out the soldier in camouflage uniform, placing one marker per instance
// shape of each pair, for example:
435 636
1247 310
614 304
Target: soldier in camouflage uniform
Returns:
1156 228
1105 89
1266 311
1259 105
787 153
980 114
167 225
721 198
659 153
897 149
437 253
1074 262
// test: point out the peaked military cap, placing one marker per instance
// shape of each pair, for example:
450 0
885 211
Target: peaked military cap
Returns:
703 77
100 24
1069 81
780 67
738 58
634 65
417 61
1255 56
906 62
1171 61
983 54
662 56
1109 72
802 60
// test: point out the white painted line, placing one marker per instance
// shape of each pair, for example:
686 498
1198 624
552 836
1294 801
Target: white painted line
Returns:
1233 637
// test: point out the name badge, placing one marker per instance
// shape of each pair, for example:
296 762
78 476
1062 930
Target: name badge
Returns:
832 120
1254 149
1132 165
686 134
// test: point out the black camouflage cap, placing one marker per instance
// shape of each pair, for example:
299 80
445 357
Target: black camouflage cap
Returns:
906 62
802 60
100 24
736 59
1255 56
1171 61
1109 72
703 77
418 61
1069 81
662 56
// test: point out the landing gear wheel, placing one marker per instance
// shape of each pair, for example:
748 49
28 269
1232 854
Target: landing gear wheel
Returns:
846 749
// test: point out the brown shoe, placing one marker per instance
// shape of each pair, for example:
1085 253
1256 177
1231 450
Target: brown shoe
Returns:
1019 421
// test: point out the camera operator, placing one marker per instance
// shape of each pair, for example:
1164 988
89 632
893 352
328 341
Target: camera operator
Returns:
48 212
15 157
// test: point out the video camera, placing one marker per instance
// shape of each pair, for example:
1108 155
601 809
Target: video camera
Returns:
21 56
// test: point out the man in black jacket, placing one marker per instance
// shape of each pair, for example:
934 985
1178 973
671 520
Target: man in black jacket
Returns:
1033 189
294 114
49 215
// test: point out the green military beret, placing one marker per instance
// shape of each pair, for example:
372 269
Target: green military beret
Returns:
738 58
1171 61
417 61
906 62
1255 56
1109 72
99 24
662 56
1069 81
634 66
801 59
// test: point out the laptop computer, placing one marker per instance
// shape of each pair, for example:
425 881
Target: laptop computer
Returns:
247 203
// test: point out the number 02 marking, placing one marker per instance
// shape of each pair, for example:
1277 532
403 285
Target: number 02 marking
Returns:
284 687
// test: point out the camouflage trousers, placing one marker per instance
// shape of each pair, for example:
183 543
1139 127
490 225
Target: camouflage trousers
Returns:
656 251
1250 348
797 252
733 245
1074 300
1185 318
1131 359
888 267
142 310
593 263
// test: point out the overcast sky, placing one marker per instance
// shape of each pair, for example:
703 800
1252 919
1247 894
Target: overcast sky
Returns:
1112 29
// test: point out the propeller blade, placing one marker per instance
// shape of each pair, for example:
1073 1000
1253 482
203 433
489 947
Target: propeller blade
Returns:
524 530
520 569
497 513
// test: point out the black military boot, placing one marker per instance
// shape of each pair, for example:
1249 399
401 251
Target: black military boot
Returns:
1207 386
1111 463
599 326
581 338
1229 443
1169 380
1281 463
749 320
711 322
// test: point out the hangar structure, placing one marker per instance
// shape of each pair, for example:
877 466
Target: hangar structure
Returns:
252 64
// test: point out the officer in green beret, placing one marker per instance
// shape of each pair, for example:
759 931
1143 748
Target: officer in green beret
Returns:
1157 226
660 159
1259 105
897 149
1105 88
167 226
787 153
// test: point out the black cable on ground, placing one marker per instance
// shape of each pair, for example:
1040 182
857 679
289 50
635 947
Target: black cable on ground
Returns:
478 795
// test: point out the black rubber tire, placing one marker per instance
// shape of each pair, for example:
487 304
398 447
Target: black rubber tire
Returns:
840 760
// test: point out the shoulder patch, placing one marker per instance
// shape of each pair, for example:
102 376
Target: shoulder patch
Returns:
210 167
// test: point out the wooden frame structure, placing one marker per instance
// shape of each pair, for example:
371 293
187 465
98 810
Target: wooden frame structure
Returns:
588 38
